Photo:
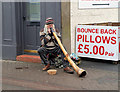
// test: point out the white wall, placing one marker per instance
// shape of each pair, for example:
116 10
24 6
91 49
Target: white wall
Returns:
118 44
86 16
0 46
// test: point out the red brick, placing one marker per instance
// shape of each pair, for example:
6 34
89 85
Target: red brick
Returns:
29 58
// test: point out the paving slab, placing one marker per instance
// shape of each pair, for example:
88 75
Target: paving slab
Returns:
100 76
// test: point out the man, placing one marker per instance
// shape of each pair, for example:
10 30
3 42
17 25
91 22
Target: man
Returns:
50 45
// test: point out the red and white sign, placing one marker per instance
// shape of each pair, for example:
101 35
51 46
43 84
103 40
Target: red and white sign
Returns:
97 42
119 41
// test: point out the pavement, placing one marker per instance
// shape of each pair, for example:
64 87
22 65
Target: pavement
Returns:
100 76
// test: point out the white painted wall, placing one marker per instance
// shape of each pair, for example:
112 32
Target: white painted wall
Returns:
0 46
118 44
86 16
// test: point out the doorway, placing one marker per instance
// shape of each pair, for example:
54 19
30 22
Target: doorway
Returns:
34 15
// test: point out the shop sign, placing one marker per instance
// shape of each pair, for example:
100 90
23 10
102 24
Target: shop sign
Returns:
98 42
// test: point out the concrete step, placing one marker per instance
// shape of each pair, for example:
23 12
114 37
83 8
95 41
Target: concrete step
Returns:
29 58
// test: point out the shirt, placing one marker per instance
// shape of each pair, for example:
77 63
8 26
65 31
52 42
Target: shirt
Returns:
48 40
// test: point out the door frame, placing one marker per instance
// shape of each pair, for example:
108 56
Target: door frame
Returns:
43 17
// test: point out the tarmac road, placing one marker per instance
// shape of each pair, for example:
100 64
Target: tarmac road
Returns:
101 76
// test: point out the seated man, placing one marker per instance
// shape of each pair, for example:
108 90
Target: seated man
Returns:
50 45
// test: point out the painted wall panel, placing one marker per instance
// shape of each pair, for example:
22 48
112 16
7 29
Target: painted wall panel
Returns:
53 9
18 28
9 31
0 30
30 37
8 22
37 36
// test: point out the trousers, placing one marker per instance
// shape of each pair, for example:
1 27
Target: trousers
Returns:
43 52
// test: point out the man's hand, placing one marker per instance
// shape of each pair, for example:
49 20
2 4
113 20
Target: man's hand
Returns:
49 31
50 26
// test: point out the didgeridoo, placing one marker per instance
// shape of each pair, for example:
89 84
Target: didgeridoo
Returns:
81 72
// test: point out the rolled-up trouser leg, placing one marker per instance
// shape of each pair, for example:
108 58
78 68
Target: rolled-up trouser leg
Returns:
43 55
65 62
